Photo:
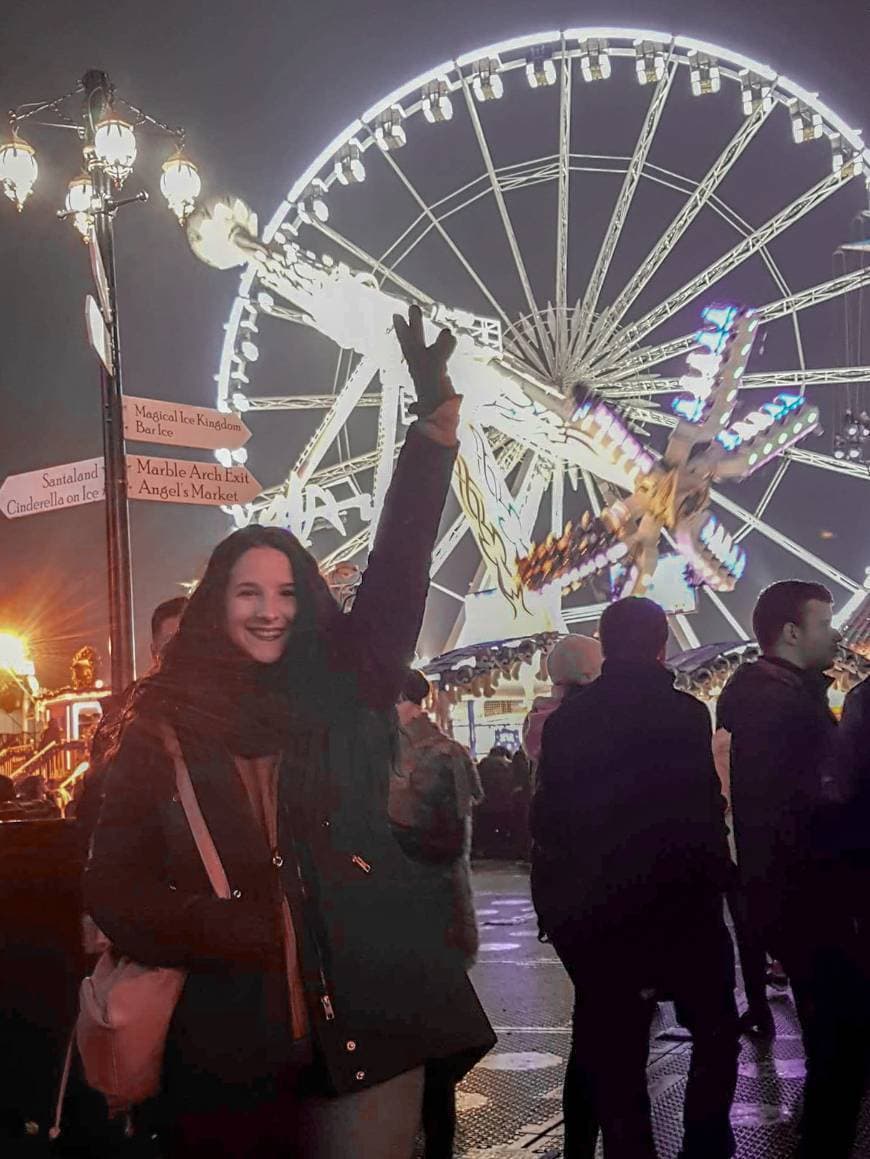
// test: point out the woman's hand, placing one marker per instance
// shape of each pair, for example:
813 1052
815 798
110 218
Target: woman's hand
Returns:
427 365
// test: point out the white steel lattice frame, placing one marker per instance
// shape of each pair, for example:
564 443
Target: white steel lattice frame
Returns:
551 348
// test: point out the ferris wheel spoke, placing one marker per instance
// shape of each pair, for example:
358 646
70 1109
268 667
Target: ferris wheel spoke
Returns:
780 379
730 261
306 402
829 463
612 316
335 419
346 551
563 208
557 500
623 204
815 295
378 267
447 239
647 356
385 452
726 613
784 542
507 225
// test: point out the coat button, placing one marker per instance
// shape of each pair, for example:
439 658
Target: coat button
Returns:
327 823
351 1045
277 860
237 893
360 1075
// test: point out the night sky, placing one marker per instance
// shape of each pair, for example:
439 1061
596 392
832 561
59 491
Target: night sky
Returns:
260 88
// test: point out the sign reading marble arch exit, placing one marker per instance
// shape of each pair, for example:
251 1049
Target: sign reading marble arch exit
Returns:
148 477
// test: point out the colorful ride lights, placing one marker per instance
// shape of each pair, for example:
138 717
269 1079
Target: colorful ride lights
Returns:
761 435
714 556
604 428
582 550
723 347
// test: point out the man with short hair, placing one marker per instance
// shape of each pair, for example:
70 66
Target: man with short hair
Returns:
789 841
165 620
164 624
629 868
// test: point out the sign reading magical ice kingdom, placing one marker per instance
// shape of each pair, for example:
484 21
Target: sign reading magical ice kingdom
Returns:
149 477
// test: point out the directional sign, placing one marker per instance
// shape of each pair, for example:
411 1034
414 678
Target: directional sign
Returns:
98 333
53 488
160 480
178 425
183 481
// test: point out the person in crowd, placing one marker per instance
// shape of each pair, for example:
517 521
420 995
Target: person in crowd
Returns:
494 821
34 799
51 734
10 809
789 850
629 865
757 1020
315 995
433 789
572 664
521 771
165 621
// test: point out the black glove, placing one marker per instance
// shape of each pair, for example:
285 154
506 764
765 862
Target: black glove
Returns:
427 365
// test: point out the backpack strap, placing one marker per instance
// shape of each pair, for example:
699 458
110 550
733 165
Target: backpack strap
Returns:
198 827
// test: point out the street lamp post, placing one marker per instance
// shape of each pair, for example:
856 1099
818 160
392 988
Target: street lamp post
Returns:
109 152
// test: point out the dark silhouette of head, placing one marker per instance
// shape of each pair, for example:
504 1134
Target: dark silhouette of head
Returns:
792 620
7 790
416 687
633 629
165 620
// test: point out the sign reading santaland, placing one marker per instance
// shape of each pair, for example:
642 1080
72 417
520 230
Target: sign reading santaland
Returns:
179 425
148 477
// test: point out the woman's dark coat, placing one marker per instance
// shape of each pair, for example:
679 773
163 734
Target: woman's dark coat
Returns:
386 987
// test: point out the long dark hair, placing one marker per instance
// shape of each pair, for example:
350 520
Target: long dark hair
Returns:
206 684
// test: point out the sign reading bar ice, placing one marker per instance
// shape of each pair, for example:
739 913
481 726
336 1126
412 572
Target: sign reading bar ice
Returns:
179 425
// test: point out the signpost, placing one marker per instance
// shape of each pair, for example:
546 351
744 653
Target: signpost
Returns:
70 485
178 425
148 477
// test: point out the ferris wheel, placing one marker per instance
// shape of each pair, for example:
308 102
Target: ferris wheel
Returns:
573 205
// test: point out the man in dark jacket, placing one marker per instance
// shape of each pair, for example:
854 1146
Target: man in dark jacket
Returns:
789 846
628 870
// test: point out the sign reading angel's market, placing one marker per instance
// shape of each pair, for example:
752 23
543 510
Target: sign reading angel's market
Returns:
148 477
183 481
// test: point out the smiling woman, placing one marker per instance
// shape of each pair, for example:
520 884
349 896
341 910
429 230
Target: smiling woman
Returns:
261 603
316 992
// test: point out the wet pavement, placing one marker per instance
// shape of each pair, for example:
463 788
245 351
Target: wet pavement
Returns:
510 1105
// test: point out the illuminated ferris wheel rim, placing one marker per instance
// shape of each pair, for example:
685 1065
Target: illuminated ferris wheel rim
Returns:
568 44
572 45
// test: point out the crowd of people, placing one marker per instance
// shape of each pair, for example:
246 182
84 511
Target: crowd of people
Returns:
326 1009
632 864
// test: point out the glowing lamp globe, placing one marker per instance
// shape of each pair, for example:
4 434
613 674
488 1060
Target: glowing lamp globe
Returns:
180 185
115 148
80 203
18 170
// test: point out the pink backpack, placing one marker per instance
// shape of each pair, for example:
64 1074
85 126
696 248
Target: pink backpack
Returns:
124 1007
